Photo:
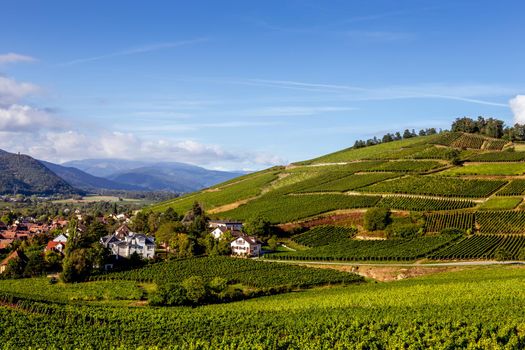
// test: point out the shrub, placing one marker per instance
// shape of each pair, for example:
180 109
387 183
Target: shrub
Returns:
502 254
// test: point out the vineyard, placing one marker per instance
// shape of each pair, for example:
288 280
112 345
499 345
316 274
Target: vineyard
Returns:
423 204
246 272
350 182
391 150
501 222
440 221
469 141
289 208
475 308
323 235
446 139
485 247
437 186
356 250
514 188
495 145
498 157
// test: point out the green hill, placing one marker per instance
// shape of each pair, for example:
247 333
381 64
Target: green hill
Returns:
451 180
410 174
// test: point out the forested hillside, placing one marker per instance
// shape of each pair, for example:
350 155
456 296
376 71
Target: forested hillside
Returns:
21 174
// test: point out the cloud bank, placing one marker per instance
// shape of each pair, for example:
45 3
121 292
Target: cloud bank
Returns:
517 105
42 134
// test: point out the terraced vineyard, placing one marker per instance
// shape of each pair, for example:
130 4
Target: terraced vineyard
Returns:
423 204
484 247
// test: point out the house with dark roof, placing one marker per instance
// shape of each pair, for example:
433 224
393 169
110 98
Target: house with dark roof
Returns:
229 224
123 243
218 232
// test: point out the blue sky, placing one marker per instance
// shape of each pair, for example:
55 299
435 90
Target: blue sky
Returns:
248 84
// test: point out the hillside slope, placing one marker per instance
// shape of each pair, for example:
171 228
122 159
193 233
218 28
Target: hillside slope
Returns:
412 174
22 174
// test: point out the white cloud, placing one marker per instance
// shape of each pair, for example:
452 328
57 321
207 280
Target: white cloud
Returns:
517 105
12 91
61 146
12 57
24 118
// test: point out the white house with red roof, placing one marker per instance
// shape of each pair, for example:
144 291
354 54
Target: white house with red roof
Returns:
246 246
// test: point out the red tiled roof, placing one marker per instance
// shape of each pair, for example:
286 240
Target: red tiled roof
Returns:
52 245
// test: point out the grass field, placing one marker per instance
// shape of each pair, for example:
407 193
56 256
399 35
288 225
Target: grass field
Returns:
501 203
477 308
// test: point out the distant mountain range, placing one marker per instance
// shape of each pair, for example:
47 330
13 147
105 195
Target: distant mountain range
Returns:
25 175
153 176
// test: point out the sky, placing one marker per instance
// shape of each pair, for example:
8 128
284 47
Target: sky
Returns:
244 85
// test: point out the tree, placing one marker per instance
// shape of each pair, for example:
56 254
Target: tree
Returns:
76 266
182 245
377 219
272 243
15 268
167 232
465 124
453 156
407 134
195 289
140 222
169 294
258 226
35 264
169 216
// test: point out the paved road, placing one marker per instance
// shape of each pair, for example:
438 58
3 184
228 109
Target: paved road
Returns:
458 263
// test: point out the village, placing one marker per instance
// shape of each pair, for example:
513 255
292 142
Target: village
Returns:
30 247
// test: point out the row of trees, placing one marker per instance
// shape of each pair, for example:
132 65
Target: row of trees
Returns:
490 127
394 137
